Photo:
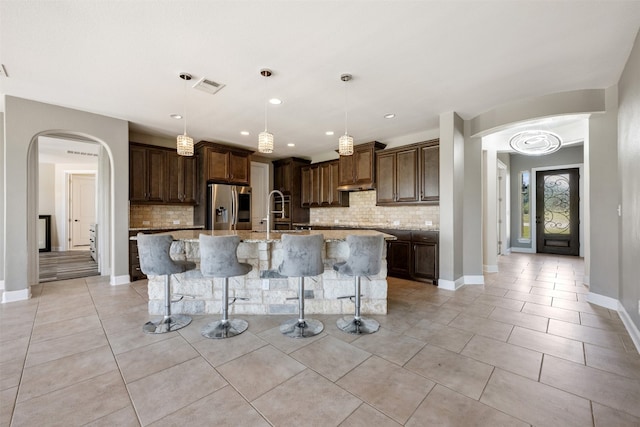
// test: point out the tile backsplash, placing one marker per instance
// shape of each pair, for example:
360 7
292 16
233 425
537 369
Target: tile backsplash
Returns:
141 216
362 211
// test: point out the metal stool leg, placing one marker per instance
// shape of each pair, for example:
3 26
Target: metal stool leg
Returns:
169 322
301 327
357 324
225 328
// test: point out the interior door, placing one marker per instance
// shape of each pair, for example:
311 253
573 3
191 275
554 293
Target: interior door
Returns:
82 208
558 212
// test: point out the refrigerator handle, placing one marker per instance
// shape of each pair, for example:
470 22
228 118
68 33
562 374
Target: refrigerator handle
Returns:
234 208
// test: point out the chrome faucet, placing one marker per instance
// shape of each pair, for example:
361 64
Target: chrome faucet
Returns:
269 212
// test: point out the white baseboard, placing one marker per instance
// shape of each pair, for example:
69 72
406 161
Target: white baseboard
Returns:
490 268
523 250
603 301
120 280
633 330
13 296
473 280
450 285
614 304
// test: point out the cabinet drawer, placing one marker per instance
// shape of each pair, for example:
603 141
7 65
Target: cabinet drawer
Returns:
424 236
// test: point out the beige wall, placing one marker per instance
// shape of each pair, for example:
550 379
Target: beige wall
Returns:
629 175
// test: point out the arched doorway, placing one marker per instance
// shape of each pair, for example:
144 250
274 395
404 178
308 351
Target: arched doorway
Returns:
104 198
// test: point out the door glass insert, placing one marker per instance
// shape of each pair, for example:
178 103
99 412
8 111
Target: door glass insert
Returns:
557 207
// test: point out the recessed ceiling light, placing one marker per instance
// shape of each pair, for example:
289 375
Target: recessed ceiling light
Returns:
176 116
329 133
389 116
291 144
275 101
244 132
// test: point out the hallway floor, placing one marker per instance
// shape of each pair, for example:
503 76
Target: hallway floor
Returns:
524 349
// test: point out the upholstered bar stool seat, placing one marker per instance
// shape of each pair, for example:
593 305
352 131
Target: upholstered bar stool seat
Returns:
365 256
218 258
302 257
155 260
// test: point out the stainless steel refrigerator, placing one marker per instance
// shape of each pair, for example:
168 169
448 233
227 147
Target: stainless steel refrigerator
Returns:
228 207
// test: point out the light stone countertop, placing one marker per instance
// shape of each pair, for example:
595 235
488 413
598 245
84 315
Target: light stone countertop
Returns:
166 227
248 236
361 226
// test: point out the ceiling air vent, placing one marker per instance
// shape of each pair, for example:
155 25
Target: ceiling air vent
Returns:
208 86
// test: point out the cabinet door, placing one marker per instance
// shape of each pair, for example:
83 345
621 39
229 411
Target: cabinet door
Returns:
316 185
399 258
282 177
217 165
238 169
363 165
386 165
407 175
137 174
326 190
336 196
188 180
156 171
430 174
174 170
425 257
346 170
305 173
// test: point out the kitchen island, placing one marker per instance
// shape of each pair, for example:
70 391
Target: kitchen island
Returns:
262 291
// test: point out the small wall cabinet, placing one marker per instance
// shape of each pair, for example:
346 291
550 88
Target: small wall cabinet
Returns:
225 165
287 178
357 172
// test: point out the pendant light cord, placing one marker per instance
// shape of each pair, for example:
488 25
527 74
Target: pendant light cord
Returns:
346 106
185 107
266 102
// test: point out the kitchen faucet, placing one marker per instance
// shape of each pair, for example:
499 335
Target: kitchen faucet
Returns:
269 212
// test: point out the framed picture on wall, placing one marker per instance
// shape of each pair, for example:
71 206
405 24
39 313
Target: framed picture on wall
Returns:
44 233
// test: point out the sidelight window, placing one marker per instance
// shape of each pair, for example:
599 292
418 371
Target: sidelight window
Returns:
525 206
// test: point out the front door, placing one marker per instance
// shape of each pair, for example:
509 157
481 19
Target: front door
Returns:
82 208
558 212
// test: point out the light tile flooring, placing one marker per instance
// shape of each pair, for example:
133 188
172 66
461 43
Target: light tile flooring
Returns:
524 349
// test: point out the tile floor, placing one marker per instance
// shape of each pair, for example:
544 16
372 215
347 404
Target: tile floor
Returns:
524 349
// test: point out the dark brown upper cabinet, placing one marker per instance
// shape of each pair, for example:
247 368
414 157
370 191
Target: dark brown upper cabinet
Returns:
408 175
357 172
159 175
182 179
224 164
286 175
320 185
147 173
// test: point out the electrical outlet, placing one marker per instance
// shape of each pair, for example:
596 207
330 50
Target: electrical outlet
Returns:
336 221
146 222
396 222
265 284
428 223
176 222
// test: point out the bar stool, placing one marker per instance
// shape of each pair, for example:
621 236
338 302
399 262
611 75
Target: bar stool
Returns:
153 250
218 258
302 257
365 255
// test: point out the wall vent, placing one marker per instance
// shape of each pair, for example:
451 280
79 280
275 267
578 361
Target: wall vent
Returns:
208 86
81 153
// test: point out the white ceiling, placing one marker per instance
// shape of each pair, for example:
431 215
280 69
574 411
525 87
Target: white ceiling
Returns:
416 59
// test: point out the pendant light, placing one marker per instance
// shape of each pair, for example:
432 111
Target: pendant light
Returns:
265 139
185 142
345 142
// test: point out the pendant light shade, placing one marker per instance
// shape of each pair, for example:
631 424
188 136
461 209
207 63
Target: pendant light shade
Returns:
265 142
345 145
345 142
185 142
265 139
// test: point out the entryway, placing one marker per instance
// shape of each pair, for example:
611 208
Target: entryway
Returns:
558 212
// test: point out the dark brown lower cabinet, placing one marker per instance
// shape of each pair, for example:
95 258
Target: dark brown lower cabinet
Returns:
414 255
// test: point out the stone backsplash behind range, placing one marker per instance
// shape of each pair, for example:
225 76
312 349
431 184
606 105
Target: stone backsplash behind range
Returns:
363 212
154 216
